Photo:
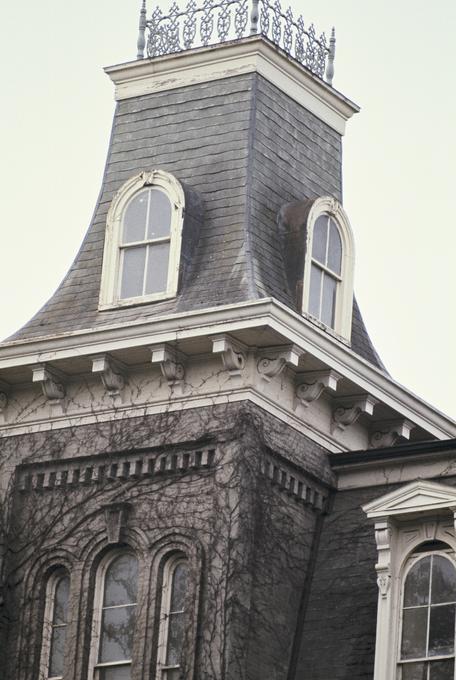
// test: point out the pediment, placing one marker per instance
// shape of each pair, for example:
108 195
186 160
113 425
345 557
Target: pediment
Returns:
417 497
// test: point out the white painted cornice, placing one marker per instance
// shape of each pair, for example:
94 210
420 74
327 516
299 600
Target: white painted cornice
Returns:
250 55
418 497
290 327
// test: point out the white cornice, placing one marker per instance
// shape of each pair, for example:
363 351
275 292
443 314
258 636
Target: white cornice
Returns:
418 497
264 313
250 55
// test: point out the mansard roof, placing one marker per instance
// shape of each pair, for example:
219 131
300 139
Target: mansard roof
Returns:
246 149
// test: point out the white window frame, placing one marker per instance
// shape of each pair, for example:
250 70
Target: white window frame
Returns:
111 271
416 513
165 603
48 617
409 563
344 291
97 613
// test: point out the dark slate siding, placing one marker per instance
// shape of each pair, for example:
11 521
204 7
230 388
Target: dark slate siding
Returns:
246 149
340 624
295 156
200 134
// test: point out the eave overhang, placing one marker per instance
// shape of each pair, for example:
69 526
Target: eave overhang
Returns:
246 323
255 54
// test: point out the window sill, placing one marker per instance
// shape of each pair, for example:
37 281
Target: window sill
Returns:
132 302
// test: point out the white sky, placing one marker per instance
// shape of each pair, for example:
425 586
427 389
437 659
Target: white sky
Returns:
396 59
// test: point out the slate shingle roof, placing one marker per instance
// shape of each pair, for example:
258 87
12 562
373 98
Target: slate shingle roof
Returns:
247 149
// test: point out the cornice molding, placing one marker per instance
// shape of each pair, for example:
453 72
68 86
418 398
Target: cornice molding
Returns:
289 327
255 54
418 497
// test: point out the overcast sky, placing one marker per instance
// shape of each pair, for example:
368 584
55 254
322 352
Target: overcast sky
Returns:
396 59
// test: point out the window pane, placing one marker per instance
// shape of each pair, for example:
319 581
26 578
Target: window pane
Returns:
57 653
159 215
179 587
443 580
320 238
115 673
157 268
416 590
121 581
334 248
315 291
441 630
414 628
414 671
61 601
176 632
117 634
134 221
442 670
133 272
328 305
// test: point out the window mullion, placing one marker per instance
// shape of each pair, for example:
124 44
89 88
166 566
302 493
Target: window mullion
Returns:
320 305
328 226
429 608
146 269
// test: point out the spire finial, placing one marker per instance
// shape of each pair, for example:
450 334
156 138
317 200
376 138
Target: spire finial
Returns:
331 55
142 31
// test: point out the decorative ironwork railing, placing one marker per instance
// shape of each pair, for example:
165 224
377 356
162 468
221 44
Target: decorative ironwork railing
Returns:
215 22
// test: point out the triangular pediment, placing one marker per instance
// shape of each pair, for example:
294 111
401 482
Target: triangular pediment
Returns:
418 496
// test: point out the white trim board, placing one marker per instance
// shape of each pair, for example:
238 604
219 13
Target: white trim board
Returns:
267 312
250 55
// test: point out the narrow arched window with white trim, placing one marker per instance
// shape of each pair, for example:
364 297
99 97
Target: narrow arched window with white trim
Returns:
173 618
55 625
329 266
143 241
427 650
114 617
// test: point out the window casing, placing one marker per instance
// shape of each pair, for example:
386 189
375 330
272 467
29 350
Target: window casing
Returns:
143 241
329 266
428 617
55 625
415 523
174 618
114 617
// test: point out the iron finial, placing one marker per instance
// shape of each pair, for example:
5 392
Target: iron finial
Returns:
254 18
331 56
141 44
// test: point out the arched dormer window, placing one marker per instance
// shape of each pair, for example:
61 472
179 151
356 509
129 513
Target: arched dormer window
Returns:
143 241
328 266
114 617
173 617
55 625
427 648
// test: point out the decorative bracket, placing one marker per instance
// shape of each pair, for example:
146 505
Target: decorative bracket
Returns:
5 389
111 371
52 384
115 518
348 409
387 432
232 353
171 363
312 384
383 566
269 366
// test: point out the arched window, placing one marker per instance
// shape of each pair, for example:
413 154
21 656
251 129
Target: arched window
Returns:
173 618
114 617
143 241
428 616
55 625
328 267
